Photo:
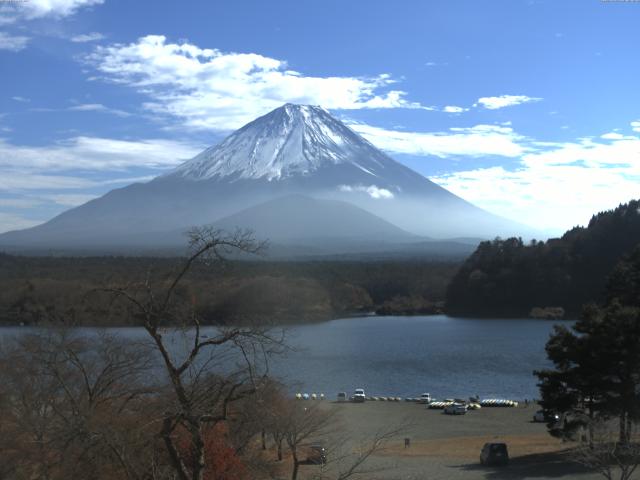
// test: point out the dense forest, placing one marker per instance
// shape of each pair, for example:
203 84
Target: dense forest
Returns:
44 290
511 278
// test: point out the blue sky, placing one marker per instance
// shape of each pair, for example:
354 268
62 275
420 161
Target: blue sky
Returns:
530 109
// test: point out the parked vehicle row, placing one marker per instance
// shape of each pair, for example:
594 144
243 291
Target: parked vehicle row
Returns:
492 454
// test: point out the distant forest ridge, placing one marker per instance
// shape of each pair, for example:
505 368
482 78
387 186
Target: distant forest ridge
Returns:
61 290
510 278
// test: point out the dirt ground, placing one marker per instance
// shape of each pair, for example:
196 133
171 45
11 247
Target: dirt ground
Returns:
448 447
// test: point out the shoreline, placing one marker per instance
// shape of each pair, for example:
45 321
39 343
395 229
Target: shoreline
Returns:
346 316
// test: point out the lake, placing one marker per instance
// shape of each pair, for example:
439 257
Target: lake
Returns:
406 356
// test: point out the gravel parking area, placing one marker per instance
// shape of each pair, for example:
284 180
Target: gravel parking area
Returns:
448 447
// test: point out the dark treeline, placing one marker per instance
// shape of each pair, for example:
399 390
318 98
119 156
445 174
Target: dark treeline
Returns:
510 278
44 290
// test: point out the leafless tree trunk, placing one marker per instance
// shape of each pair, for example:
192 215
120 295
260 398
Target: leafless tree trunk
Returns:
304 423
201 389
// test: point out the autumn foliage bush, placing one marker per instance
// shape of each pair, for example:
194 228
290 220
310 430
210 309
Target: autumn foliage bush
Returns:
222 461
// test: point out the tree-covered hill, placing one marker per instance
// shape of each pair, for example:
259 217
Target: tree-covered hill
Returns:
42 290
510 278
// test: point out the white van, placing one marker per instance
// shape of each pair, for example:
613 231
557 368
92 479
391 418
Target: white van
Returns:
358 395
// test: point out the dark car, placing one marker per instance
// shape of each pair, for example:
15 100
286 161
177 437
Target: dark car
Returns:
494 454
317 454
546 416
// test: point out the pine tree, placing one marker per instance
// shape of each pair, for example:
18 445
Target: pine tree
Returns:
597 361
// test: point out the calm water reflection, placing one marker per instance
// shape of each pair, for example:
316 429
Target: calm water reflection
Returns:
406 356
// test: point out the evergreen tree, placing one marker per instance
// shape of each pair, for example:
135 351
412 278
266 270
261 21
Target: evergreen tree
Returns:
597 361
509 278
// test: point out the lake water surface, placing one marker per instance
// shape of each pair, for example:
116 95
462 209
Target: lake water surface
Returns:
405 356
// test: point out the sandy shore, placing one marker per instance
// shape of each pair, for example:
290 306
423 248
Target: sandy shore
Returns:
448 447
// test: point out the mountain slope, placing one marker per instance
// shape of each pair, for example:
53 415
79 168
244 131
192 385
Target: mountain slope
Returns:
296 218
295 149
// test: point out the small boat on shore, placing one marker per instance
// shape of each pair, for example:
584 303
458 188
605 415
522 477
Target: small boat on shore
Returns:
498 402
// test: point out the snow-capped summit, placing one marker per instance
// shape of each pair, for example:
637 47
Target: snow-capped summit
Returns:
288 141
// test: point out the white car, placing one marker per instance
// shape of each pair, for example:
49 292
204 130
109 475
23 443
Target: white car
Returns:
425 398
456 409
358 395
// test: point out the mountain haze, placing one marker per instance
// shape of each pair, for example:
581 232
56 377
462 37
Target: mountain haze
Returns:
304 219
293 150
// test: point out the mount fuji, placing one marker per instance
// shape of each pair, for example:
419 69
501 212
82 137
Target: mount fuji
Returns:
296 175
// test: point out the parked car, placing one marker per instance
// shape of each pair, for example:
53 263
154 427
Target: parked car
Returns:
425 398
317 454
544 416
342 396
455 409
494 454
358 395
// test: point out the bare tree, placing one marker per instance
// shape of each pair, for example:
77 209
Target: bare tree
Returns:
305 422
300 424
357 465
605 454
77 406
71 407
212 371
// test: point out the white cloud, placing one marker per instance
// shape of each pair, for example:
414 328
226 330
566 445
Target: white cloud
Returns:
494 103
210 89
13 43
635 126
612 136
97 154
87 37
19 202
98 107
20 99
478 141
70 199
33 9
33 200
23 179
74 171
454 109
372 190
128 180
9 222
558 187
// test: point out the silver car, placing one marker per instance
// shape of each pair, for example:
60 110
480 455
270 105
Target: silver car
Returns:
456 409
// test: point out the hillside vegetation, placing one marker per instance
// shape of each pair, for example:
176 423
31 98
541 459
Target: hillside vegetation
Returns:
510 278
